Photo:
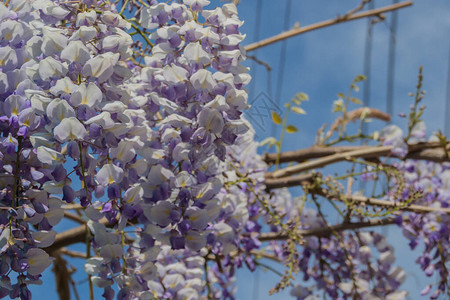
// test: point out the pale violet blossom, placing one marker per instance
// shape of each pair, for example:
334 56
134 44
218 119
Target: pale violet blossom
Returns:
101 66
75 51
38 261
69 129
109 174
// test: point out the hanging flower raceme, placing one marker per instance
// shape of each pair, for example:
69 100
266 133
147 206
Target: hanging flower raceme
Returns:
62 66
432 228
148 150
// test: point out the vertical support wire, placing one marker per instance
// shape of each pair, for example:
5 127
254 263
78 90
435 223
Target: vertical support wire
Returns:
282 62
391 64
256 38
391 74
256 284
447 104
368 73
368 65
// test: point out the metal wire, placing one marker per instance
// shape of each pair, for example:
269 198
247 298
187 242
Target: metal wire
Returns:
391 63
447 105
368 64
257 30
282 62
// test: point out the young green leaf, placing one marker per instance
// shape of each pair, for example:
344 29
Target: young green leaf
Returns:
360 78
299 98
291 129
355 100
298 110
276 118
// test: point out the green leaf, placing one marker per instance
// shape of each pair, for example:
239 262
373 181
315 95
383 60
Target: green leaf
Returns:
299 98
298 110
341 95
276 118
291 129
359 78
355 100
270 142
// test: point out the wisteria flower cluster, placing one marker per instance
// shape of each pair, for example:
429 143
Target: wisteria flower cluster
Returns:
431 229
131 113
148 150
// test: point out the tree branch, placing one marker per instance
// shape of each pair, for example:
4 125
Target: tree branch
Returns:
71 236
326 231
391 204
71 253
415 151
330 159
278 179
352 116
78 234
62 276
74 218
308 178
329 155
72 206
308 153
276 183
296 31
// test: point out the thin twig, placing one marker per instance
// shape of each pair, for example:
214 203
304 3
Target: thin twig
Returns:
261 254
258 61
124 5
258 263
72 253
356 114
356 9
73 217
142 34
297 31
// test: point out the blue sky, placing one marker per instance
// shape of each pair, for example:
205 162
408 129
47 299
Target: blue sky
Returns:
323 63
